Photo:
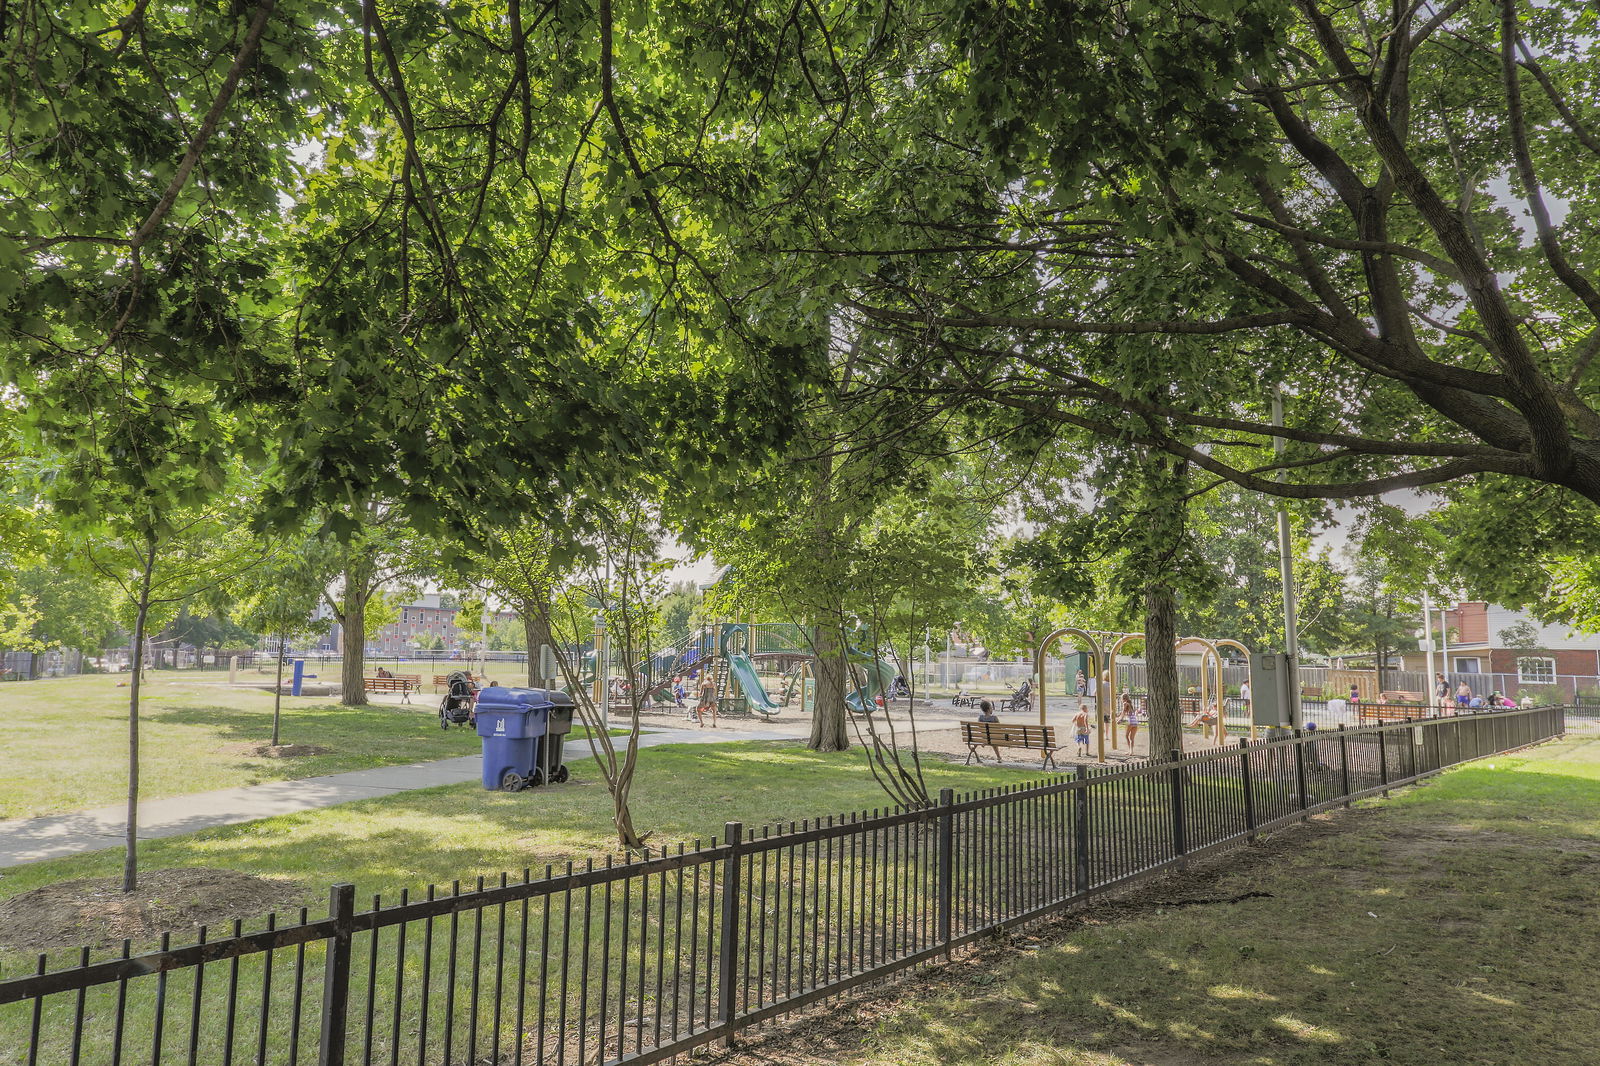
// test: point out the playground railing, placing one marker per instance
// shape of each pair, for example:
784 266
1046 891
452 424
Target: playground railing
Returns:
674 949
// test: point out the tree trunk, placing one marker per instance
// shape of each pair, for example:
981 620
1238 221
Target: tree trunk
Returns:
622 819
828 725
536 626
1161 666
130 859
354 620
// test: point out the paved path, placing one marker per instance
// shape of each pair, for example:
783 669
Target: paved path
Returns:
55 836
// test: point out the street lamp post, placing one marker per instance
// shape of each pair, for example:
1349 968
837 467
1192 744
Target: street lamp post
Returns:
602 671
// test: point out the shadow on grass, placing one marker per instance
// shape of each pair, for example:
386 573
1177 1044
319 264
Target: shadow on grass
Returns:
1444 927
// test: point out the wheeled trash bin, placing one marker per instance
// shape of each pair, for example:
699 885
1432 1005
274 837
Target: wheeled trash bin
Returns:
551 764
511 722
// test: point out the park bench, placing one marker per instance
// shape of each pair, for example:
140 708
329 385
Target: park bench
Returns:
997 735
440 680
404 684
1388 711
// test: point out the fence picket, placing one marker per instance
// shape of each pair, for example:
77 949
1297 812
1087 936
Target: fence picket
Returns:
880 891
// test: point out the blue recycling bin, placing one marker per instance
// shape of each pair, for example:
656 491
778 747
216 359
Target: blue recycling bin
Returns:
510 723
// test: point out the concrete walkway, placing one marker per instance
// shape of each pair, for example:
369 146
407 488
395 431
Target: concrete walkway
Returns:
55 836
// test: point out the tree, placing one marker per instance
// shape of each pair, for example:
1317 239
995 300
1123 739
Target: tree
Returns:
280 597
614 573
678 611
516 566
358 555
159 559
70 605
1237 540
1317 189
1378 614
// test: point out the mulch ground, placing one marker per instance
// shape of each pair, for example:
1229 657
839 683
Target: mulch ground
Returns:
95 911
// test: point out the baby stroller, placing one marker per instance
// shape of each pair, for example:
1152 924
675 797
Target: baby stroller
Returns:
456 707
1021 698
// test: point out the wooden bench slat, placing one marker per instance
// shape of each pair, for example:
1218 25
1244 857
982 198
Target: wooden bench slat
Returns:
1041 738
403 684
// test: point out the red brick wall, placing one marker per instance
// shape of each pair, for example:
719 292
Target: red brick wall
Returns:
1470 622
1581 663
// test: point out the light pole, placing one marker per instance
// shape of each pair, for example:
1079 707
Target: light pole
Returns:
1427 642
602 671
1291 625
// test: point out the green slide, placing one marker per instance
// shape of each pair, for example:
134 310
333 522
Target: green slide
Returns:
880 679
744 672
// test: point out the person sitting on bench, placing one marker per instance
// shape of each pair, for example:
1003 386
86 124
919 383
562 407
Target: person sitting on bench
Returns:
986 714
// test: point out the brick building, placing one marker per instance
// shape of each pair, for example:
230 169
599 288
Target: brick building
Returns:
416 625
1480 637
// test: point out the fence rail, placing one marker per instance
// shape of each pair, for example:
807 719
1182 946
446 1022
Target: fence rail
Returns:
640 961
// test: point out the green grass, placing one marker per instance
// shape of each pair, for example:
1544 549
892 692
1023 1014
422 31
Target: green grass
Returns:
1447 925
70 737
460 831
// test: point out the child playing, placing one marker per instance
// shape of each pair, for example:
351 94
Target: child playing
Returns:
1080 727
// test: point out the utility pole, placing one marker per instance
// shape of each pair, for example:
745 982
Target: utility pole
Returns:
1291 625
1427 642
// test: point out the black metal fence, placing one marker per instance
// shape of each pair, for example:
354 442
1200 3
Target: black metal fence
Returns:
640 961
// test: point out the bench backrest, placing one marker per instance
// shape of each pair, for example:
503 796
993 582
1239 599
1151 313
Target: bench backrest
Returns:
1009 735
401 681
1396 696
1392 714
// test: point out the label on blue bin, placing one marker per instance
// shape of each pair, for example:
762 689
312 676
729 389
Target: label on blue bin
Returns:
499 727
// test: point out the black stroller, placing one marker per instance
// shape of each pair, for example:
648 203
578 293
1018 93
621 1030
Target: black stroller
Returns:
1021 698
456 707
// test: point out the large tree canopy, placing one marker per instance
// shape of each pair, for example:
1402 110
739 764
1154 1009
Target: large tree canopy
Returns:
1056 208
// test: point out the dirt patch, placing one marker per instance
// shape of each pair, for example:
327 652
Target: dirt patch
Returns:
268 751
95 912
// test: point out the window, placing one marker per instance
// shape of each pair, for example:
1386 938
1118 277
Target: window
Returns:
1468 666
1536 671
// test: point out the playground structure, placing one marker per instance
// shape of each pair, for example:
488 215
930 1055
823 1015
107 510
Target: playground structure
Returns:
736 652
1100 666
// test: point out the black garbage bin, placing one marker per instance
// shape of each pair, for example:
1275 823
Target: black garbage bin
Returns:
558 724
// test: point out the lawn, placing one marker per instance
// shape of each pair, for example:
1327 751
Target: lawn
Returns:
408 840
460 831
66 738
1454 923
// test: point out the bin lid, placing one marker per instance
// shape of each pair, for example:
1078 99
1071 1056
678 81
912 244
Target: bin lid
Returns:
499 698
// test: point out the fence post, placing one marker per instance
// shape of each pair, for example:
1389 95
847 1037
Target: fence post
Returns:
336 976
1300 743
1080 826
947 840
1344 764
1249 788
1383 759
1180 842
728 948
